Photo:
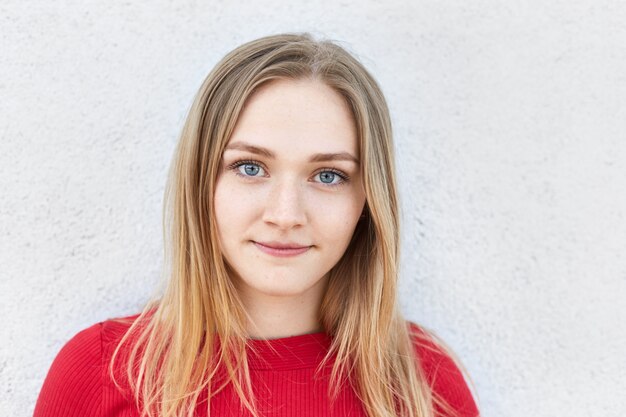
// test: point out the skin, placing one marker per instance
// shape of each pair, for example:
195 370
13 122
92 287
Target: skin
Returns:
295 195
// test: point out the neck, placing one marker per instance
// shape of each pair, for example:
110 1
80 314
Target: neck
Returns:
278 316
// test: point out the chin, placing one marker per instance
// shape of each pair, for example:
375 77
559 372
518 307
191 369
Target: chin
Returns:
280 290
280 284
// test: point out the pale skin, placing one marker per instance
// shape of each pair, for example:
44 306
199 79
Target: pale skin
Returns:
290 177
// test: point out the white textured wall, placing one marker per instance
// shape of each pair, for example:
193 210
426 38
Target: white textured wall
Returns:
510 122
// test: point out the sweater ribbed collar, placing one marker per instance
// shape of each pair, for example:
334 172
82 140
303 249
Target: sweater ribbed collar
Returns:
295 352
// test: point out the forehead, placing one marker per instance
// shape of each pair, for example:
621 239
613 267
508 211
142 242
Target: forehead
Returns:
293 117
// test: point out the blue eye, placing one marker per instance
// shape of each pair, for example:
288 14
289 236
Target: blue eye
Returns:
332 177
249 169
327 177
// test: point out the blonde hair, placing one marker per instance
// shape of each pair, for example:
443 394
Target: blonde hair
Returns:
194 337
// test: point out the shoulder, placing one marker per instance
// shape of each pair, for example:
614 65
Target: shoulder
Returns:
113 330
443 374
74 383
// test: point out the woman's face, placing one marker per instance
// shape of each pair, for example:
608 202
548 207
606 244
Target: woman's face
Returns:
289 193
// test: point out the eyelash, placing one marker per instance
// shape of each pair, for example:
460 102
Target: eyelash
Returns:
235 166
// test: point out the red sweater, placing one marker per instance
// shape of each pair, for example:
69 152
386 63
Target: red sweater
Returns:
282 371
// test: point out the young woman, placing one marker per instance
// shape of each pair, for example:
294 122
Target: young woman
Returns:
284 240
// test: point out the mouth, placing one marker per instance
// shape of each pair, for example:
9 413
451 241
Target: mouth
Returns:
281 249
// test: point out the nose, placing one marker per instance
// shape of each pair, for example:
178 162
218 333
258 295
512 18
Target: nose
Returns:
284 207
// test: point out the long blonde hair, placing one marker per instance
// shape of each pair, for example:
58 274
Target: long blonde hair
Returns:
193 338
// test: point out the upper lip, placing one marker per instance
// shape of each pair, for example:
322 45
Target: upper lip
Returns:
283 245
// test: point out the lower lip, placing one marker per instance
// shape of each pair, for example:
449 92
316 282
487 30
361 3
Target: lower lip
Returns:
282 253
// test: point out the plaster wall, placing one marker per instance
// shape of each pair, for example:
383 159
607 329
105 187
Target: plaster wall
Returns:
509 124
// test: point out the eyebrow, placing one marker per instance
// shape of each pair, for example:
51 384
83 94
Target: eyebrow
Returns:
318 157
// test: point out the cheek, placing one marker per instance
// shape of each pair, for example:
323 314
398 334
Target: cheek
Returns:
338 220
220 203
232 206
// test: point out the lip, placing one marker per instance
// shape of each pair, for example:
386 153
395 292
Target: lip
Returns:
281 249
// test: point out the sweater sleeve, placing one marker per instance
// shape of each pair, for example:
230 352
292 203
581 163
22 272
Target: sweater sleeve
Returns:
73 386
444 376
